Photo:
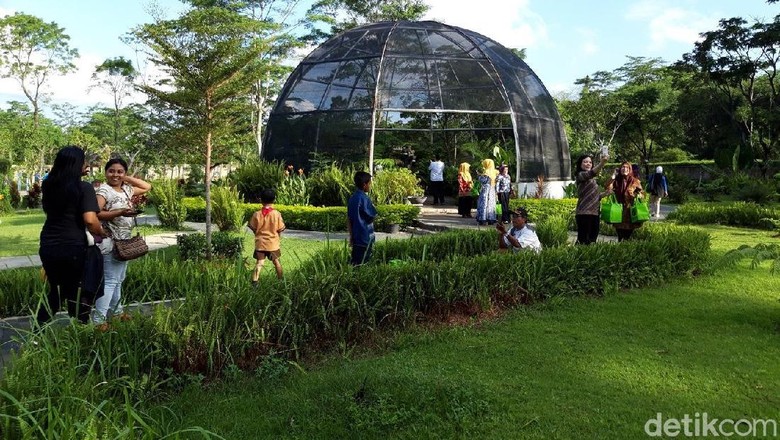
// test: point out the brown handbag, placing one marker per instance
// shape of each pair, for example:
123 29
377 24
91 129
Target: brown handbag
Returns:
130 249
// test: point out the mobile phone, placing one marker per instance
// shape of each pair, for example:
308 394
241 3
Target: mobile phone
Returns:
604 150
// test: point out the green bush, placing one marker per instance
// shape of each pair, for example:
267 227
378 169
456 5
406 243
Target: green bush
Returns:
392 187
540 209
735 214
223 244
331 185
311 218
553 231
293 191
680 187
756 191
227 211
167 198
253 177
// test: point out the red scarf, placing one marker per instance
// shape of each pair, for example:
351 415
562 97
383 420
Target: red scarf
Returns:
266 210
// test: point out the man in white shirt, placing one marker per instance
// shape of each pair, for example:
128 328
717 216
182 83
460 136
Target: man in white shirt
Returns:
437 180
520 237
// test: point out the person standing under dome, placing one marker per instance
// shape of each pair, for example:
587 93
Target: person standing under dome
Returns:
486 203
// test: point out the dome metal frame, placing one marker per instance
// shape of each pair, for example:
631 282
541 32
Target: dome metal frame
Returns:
391 76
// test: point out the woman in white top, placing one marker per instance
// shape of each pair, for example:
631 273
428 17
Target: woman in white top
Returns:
116 212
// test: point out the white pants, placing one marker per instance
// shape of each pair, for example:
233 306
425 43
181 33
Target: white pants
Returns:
114 272
655 205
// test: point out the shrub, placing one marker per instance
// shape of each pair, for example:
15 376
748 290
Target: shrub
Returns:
33 197
16 198
540 209
312 218
167 198
394 186
227 211
253 177
223 244
331 185
756 191
293 191
553 231
735 214
680 187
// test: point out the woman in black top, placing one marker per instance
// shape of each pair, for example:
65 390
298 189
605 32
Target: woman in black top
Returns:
588 198
70 206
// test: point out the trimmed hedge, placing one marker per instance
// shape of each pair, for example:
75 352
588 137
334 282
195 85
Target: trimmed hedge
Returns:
540 209
312 218
735 214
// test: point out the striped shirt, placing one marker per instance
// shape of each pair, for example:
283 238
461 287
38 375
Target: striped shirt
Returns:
588 193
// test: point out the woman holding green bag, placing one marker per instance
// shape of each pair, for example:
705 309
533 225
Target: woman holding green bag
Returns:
626 188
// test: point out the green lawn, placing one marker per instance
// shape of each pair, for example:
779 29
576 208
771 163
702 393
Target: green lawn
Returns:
19 233
578 368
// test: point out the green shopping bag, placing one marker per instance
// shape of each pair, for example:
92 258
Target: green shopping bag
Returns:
475 188
640 212
499 209
611 210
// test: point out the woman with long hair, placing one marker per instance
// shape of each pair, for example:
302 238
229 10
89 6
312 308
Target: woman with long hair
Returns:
588 197
626 188
486 202
117 214
70 206
465 184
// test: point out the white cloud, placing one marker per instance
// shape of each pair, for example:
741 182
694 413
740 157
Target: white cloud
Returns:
670 24
587 39
509 22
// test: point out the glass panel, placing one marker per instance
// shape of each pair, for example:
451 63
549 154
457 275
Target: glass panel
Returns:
405 42
448 43
405 74
322 72
367 79
304 97
337 98
348 73
411 99
361 99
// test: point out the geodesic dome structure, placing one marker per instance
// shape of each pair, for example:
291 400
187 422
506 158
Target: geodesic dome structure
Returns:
384 86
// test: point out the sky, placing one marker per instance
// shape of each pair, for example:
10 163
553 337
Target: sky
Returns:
564 39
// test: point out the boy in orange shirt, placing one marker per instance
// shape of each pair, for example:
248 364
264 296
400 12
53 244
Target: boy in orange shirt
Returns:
267 224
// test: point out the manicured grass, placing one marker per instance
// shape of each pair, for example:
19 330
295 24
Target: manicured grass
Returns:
577 368
20 234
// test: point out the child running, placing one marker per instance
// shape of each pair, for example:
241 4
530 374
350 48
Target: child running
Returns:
267 224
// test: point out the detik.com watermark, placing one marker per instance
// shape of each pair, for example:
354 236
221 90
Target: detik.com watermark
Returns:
701 425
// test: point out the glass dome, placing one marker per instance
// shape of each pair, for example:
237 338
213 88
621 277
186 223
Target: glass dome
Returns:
375 90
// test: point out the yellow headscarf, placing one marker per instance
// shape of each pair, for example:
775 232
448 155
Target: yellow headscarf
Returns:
490 170
464 172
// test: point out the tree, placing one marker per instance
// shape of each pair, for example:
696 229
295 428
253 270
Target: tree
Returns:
116 75
342 15
31 51
740 61
206 54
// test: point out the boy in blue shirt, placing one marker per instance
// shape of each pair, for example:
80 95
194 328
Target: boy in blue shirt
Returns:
360 220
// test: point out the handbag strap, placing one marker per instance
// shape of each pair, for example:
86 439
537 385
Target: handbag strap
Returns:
130 204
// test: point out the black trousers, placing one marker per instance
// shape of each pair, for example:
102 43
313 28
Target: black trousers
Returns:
587 228
437 190
64 266
503 198
624 234
464 205
360 254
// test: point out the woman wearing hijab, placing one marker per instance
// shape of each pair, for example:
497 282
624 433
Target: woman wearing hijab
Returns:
486 202
626 188
70 206
658 189
465 184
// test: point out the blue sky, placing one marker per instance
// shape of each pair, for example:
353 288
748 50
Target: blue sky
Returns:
565 39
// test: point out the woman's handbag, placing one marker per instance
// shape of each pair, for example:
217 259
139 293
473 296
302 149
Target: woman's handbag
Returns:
640 212
130 249
611 210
